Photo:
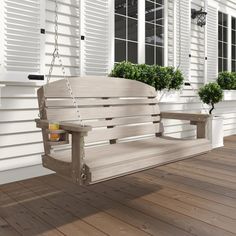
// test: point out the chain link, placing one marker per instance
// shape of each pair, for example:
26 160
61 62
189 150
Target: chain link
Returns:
54 56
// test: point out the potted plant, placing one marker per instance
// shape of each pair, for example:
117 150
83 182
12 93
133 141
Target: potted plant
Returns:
227 81
211 94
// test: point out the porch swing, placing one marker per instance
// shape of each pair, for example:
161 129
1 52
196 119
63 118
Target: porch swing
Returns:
115 127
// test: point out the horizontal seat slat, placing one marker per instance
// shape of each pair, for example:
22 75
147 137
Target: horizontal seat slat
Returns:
99 87
102 112
98 102
122 132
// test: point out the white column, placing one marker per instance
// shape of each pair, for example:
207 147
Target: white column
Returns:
229 43
175 34
206 44
42 38
82 33
166 32
111 34
141 31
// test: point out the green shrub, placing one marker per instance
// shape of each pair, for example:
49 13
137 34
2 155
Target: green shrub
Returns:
156 76
162 78
227 80
177 79
211 94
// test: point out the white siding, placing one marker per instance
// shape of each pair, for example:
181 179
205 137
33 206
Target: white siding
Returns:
20 140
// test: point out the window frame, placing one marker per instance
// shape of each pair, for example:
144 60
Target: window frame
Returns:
141 33
230 13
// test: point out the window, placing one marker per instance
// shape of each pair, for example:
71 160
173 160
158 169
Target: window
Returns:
154 32
222 42
233 44
126 30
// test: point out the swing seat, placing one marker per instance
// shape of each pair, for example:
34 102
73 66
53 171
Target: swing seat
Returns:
123 132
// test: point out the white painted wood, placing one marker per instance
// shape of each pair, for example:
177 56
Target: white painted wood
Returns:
216 131
212 44
23 45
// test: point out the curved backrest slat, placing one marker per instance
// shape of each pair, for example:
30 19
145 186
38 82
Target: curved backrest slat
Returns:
99 87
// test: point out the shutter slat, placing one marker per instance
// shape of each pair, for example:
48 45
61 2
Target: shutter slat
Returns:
22 38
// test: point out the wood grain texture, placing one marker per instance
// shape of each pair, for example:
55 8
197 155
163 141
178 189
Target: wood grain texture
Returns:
196 196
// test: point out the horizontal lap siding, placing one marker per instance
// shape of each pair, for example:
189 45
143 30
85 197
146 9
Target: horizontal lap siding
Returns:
20 141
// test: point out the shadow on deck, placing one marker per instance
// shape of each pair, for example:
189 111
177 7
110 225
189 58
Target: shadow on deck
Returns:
191 197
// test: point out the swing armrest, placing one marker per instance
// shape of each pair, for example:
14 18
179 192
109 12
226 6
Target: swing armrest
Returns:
193 117
200 120
67 126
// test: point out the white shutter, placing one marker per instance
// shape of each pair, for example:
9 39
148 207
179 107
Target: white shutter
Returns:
95 28
212 43
183 36
22 41
68 36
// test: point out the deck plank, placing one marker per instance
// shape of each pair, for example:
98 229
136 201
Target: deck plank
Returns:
22 220
135 217
196 196
95 217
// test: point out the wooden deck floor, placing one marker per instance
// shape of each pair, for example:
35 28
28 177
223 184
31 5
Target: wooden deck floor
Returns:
192 197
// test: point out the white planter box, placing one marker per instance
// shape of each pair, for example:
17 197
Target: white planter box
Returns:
229 95
215 131
168 96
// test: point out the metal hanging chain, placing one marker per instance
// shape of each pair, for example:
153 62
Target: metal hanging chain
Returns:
54 56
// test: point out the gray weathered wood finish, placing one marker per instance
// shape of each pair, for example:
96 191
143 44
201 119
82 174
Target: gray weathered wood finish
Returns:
122 132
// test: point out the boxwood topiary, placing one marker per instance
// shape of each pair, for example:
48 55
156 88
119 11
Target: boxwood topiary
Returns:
227 80
211 94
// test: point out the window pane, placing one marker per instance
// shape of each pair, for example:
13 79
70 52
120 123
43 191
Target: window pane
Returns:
233 52
233 66
233 23
220 62
133 8
149 55
220 18
220 49
220 33
120 7
225 50
133 52
159 56
149 7
225 34
225 64
120 50
120 27
225 19
150 33
161 2
159 36
132 29
233 37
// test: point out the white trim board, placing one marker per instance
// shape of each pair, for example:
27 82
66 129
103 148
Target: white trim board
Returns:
23 173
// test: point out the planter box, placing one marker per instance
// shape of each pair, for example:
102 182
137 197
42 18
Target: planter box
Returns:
168 96
215 131
229 95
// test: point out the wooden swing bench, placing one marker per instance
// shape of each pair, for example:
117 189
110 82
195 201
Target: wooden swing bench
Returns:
123 132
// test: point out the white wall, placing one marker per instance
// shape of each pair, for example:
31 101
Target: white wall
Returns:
20 141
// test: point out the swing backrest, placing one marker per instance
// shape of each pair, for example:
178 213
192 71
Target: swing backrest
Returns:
116 108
